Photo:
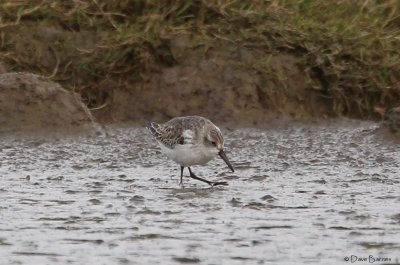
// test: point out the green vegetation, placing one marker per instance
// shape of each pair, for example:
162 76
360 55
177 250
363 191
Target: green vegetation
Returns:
349 48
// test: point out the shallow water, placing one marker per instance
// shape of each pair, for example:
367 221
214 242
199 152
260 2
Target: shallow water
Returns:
301 194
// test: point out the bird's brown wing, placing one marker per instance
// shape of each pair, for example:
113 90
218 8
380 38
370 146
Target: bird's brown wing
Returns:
180 130
166 134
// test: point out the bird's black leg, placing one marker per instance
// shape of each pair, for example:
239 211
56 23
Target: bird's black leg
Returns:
193 176
211 183
181 175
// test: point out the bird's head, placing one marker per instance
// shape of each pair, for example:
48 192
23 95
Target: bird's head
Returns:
215 141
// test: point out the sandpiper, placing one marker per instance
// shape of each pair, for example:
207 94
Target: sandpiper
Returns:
190 140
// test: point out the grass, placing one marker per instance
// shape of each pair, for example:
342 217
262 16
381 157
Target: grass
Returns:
349 48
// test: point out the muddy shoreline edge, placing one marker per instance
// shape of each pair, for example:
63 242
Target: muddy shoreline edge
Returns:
31 104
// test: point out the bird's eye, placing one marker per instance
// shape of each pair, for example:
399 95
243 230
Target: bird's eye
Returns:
214 143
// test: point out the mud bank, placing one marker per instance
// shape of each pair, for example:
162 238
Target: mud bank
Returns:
32 104
220 81
232 83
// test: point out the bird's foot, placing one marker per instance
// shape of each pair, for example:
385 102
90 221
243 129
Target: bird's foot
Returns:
211 183
219 183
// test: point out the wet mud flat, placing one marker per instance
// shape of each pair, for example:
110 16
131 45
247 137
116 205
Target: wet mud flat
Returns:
301 194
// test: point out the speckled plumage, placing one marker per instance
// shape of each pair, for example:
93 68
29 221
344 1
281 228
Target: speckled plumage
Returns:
176 131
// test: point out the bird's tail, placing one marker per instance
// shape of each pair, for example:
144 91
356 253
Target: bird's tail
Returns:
153 128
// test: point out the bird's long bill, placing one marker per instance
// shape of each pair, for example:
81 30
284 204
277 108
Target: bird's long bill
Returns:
223 156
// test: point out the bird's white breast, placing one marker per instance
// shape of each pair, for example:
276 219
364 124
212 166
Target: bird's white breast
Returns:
188 155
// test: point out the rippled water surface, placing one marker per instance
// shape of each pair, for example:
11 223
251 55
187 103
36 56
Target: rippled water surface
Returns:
301 194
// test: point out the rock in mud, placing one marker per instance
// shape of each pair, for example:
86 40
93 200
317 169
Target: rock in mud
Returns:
31 103
389 128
